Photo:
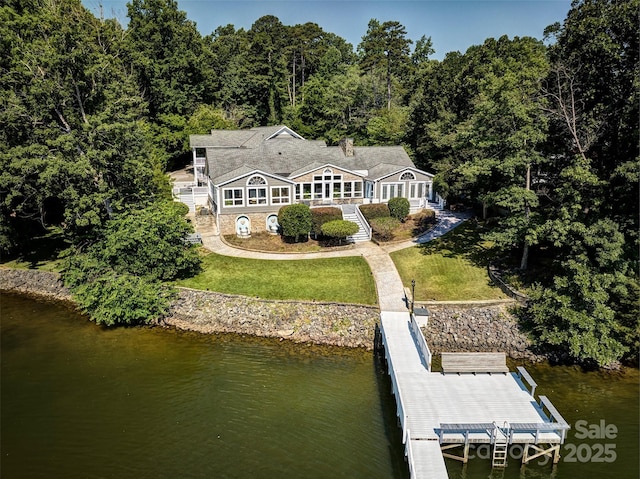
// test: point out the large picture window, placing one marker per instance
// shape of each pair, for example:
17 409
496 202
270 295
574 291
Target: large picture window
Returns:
233 197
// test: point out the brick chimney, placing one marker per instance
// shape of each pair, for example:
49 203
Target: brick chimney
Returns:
347 146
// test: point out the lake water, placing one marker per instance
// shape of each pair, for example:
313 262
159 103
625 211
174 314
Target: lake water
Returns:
80 401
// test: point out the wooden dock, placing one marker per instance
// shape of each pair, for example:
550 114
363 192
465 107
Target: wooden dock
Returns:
443 412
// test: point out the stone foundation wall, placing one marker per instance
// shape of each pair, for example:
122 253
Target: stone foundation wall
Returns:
258 222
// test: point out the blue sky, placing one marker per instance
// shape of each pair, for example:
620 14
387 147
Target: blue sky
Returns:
453 25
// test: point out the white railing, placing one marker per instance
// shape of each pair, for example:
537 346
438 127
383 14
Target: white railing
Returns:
199 161
190 190
363 221
423 347
409 453
395 388
404 419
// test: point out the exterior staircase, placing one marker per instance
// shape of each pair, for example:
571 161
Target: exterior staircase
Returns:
349 214
187 199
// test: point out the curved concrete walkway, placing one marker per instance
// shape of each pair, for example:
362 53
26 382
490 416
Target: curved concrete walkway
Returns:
388 282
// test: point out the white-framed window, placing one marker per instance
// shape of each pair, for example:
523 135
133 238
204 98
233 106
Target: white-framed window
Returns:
201 152
391 190
416 190
233 196
407 176
352 189
306 191
280 195
317 191
257 196
256 191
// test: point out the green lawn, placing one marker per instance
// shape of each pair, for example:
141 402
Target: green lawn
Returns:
343 280
41 252
451 268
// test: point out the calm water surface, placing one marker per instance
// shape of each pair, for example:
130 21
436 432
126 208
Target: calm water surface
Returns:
82 401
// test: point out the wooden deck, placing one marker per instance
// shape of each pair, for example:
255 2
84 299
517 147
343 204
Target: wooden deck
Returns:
436 409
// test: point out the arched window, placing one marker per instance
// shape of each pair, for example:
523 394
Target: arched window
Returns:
406 176
256 180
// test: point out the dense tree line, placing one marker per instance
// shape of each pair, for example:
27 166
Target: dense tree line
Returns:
541 136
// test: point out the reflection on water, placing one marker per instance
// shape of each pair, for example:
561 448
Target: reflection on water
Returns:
79 400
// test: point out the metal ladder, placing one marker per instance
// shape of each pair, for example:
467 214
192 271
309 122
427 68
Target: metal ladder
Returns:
500 446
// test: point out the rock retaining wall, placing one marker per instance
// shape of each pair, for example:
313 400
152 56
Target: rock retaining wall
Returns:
450 327
323 323
462 328
34 282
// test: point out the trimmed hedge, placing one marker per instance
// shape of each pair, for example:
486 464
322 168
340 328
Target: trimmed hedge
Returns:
320 216
383 227
378 210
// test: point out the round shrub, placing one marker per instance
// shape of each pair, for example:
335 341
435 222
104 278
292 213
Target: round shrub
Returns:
180 208
399 208
339 229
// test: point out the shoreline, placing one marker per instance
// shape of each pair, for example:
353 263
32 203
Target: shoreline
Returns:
452 327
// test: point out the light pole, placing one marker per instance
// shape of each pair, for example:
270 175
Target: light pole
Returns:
413 293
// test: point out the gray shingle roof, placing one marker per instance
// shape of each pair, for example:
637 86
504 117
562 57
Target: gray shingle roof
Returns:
231 154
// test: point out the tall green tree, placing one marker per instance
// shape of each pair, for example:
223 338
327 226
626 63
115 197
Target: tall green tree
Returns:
74 145
385 48
490 131
168 57
593 185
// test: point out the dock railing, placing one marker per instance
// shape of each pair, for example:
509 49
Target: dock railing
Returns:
423 347
464 432
524 375
409 454
395 388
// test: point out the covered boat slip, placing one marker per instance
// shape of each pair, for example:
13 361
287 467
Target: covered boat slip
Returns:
441 411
